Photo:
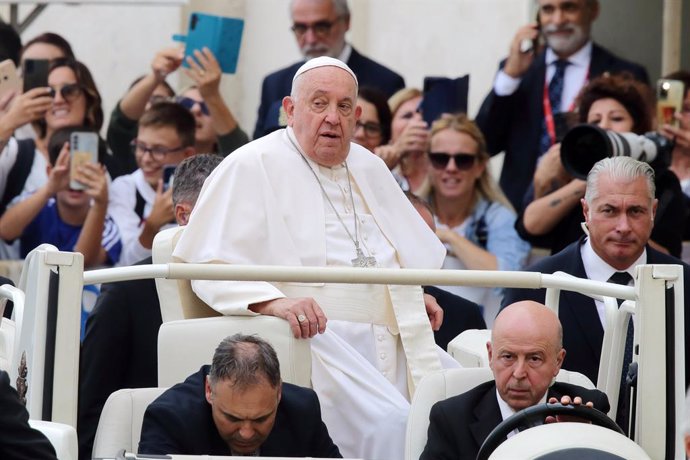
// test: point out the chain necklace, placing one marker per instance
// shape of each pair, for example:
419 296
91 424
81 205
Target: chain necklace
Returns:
361 260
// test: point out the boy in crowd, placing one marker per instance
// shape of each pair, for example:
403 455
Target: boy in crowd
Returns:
71 220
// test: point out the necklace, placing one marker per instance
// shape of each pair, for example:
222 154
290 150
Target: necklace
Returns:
361 260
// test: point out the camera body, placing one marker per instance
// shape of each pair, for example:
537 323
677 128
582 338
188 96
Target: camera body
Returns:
585 144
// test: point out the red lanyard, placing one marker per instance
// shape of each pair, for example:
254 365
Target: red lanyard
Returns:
548 111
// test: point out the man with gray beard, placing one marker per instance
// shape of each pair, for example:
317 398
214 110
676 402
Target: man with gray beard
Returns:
523 113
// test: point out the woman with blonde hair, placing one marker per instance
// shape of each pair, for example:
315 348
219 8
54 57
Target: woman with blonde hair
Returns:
474 219
405 154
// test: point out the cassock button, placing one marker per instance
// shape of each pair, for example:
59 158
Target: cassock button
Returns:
382 356
380 337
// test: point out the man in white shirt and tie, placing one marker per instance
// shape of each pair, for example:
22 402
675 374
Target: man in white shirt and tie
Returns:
520 114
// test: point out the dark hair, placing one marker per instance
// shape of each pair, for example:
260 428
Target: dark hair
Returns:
190 175
62 135
380 101
630 93
51 38
93 116
682 75
243 360
166 113
10 43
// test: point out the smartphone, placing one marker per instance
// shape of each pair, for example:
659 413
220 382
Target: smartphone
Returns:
669 100
9 80
535 45
83 149
35 73
168 176
222 35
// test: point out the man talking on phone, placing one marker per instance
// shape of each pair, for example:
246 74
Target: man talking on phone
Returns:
520 114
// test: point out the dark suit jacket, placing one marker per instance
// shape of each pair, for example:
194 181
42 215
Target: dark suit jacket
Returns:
582 330
180 422
119 350
513 123
278 85
18 441
459 425
459 314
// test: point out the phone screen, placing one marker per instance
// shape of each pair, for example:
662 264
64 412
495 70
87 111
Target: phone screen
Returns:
669 96
168 176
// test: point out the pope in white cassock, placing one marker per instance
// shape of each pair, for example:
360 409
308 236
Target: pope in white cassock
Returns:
307 196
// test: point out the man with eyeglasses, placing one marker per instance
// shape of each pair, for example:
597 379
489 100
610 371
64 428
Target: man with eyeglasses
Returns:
319 27
518 115
139 203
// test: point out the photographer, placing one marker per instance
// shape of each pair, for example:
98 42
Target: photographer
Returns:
552 220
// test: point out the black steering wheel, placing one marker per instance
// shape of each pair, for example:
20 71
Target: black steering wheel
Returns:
535 415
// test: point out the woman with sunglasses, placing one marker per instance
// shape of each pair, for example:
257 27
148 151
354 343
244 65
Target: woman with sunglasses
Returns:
553 220
474 219
374 125
70 99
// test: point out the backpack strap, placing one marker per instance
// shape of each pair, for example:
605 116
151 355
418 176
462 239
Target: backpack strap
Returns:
26 150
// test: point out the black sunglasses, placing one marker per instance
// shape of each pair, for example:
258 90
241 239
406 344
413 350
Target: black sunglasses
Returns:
68 92
188 103
463 161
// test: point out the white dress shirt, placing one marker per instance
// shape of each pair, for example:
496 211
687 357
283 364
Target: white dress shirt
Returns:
598 270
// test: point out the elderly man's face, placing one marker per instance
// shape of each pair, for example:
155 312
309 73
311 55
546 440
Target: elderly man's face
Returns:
524 355
244 417
620 220
323 113
318 28
567 24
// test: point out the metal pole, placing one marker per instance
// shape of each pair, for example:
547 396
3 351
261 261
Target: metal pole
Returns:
671 38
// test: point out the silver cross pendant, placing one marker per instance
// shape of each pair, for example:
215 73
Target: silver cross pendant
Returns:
362 261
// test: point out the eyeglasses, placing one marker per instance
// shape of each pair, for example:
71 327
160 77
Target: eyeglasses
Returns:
189 103
157 153
370 128
68 92
463 161
320 28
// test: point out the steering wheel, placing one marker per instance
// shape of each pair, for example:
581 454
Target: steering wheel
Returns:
535 415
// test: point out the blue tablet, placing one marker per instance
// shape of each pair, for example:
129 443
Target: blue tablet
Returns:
223 36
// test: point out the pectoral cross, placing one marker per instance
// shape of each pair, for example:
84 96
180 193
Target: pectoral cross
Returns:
363 261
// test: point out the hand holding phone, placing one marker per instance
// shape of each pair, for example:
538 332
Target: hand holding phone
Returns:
83 150
9 80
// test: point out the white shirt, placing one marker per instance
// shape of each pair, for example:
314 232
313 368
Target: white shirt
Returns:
575 77
507 411
598 270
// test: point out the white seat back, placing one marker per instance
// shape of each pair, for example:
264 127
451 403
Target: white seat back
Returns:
177 299
450 382
62 437
120 424
469 348
184 346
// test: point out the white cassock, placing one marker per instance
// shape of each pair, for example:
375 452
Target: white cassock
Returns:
262 205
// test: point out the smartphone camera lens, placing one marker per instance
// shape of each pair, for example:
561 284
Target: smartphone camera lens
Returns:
193 22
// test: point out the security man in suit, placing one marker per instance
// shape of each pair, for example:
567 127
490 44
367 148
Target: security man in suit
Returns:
238 406
533 88
525 354
319 27
618 208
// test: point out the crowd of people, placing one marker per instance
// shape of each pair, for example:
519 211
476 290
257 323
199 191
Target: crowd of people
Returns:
338 143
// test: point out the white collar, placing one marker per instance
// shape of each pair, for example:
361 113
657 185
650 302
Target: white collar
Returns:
598 270
581 58
506 410
345 53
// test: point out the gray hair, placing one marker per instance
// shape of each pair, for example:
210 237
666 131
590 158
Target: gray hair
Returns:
340 6
618 168
190 175
243 361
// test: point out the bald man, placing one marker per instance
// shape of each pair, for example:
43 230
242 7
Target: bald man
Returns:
525 355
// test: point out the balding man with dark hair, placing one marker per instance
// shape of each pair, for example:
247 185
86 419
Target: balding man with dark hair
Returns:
525 355
237 406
